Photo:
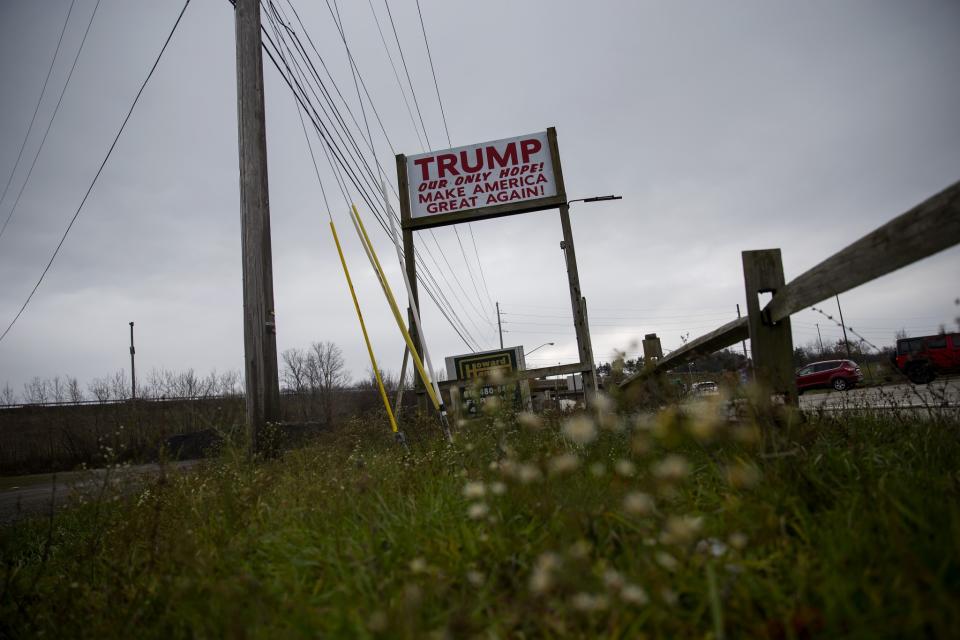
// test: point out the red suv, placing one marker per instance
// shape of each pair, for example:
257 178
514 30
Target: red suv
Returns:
921 359
839 374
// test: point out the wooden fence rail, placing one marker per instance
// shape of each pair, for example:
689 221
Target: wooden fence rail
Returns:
926 229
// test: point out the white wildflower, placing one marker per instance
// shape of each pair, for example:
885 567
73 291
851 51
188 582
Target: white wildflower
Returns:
529 420
738 540
418 565
478 510
541 578
672 468
563 463
473 490
527 473
580 430
475 578
625 468
587 602
498 488
681 529
638 503
712 546
666 561
612 580
633 594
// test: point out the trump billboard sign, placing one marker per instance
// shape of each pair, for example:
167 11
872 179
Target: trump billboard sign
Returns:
485 180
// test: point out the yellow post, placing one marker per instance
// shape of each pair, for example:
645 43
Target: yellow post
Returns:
363 327
393 307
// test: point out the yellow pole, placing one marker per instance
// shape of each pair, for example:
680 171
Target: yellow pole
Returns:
363 327
396 311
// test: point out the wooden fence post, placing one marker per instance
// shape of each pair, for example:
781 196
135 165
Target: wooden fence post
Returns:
771 343
652 350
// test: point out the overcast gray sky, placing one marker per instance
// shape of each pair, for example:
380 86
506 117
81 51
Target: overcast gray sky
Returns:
725 126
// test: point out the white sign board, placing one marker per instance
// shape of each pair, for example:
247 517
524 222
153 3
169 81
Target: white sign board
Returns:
488 174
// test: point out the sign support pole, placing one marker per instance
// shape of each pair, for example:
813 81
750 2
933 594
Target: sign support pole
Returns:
409 258
584 348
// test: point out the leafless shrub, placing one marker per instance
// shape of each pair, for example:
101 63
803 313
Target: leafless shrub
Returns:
7 395
37 391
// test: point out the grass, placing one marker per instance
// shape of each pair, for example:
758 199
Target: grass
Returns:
673 524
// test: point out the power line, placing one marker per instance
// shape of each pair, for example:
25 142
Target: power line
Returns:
36 109
300 94
446 128
358 75
407 72
436 85
56 110
416 103
396 75
100 169
355 72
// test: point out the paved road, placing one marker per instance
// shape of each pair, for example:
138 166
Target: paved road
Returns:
24 496
940 393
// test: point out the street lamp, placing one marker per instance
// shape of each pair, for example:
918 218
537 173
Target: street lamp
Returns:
540 347
563 244
595 199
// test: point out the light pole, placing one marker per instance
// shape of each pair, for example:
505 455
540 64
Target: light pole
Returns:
577 301
540 347
133 373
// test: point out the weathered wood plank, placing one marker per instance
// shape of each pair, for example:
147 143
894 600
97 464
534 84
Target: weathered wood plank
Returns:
730 333
771 343
928 228
483 213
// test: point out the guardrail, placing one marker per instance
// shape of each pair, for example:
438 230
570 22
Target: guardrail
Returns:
926 229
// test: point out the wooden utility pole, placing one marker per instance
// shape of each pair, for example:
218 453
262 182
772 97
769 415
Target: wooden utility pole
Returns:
499 325
843 325
259 320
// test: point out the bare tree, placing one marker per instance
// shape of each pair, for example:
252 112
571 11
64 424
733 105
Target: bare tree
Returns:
295 369
326 374
74 392
229 383
7 395
58 389
100 388
37 391
119 385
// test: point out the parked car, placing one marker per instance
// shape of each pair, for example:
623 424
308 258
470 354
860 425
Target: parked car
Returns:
707 388
839 374
922 359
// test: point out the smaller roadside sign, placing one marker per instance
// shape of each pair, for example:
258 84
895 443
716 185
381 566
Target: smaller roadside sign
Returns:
495 371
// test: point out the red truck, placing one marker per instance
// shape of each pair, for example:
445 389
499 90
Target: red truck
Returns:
922 359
